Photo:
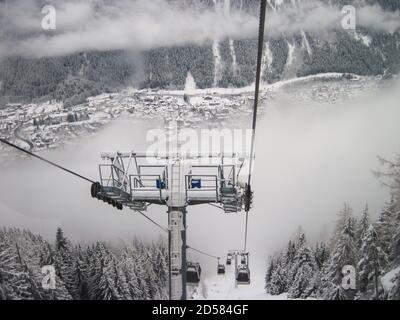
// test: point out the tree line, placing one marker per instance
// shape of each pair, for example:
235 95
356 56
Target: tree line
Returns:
372 247
97 272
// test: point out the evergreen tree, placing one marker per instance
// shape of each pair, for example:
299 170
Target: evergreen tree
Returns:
105 284
363 226
343 217
394 293
303 270
371 265
14 282
128 268
290 254
141 277
80 274
386 226
61 241
95 273
160 266
277 284
268 276
395 247
344 253
321 255
121 282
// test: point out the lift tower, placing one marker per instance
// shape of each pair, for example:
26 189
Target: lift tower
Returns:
138 180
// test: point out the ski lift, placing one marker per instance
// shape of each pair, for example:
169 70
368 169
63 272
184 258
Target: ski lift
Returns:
196 183
221 269
193 273
160 184
229 259
243 274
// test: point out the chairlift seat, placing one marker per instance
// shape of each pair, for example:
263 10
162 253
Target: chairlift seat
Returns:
195 183
243 275
193 273
221 269
116 194
160 184
137 206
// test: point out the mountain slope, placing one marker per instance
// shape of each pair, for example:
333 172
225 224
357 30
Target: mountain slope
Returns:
219 63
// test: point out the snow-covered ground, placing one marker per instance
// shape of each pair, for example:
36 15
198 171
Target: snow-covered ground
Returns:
222 287
389 279
263 87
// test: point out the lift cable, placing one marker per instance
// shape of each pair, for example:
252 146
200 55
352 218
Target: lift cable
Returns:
89 180
263 7
45 160
187 246
152 221
204 253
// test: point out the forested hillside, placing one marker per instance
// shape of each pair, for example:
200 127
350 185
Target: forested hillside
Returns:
98 272
371 246
222 62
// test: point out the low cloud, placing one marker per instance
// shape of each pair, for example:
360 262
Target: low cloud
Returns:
142 24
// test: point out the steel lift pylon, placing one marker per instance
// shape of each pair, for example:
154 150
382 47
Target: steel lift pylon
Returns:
138 180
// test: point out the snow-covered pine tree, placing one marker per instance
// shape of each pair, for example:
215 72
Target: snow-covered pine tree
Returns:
61 241
128 268
94 273
344 253
394 293
362 226
268 275
343 216
395 247
102 278
302 271
65 262
277 284
80 274
14 282
31 250
371 265
392 178
386 226
121 281
290 254
321 255
160 267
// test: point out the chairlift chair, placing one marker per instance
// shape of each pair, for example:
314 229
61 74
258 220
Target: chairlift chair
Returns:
243 274
193 273
229 259
221 269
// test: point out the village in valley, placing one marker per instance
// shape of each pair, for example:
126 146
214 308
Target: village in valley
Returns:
40 126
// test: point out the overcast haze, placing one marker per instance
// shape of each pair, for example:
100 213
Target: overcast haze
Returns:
141 24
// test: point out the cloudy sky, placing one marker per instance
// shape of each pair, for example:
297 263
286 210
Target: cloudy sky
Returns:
143 24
